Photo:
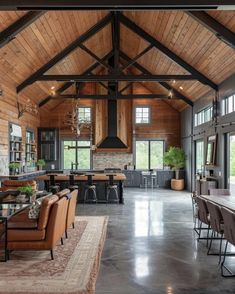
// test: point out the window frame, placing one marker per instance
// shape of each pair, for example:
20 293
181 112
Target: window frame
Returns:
200 116
150 114
76 153
85 107
203 159
225 103
149 151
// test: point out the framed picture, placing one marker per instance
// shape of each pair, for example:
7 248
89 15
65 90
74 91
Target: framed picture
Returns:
211 150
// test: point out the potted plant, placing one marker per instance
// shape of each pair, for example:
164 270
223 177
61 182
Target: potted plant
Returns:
175 158
26 191
13 166
41 163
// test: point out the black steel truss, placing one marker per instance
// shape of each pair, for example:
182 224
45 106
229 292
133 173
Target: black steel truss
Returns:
214 26
69 84
146 36
111 97
111 4
163 84
10 32
115 78
74 45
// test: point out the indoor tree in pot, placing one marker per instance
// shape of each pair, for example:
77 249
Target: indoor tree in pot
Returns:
41 163
175 158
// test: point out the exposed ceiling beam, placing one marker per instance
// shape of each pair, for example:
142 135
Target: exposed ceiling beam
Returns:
116 40
10 32
74 45
115 78
69 84
214 26
163 84
113 4
118 97
146 36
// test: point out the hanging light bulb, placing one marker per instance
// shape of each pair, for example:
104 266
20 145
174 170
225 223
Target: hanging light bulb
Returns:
53 91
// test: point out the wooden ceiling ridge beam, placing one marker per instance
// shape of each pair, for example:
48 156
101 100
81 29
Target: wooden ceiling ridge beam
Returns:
115 78
69 84
66 51
110 97
150 39
163 84
221 32
18 26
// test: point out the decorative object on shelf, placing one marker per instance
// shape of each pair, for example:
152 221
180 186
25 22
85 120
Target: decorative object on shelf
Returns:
27 191
41 163
175 158
28 107
72 120
13 167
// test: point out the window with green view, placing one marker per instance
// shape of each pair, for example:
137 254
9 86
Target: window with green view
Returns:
149 154
77 154
199 156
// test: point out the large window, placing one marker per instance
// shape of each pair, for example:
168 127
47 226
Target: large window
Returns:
228 105
149 154
199 156
142 115
203 116
84 114
77 154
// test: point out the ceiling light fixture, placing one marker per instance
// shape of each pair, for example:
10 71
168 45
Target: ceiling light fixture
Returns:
181 88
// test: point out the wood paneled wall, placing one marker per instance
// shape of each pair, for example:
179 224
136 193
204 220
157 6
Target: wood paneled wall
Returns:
9 113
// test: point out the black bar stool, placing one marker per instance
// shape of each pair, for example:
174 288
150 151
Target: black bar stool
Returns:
53 186
90 187
112 187
72 185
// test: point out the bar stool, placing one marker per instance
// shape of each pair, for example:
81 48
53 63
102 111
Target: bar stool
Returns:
72 185
53 186
145 176
154 179
90 187
112 187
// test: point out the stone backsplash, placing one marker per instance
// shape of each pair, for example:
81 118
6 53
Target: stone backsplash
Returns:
111 160
4 165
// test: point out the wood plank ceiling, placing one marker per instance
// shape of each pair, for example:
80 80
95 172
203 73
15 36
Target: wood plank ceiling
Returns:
52 32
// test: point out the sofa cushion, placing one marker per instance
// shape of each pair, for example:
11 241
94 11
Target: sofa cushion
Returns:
20 235
46 205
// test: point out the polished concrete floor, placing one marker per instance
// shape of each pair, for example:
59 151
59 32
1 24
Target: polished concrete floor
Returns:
152 249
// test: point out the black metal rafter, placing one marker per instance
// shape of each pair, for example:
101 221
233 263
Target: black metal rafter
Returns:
10 32
163 84
111 4
116 40
214 26
115 78
69 84
74 45
111 97
146 36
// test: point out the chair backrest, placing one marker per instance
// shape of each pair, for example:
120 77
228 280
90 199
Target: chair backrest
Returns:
224 192
55 228
52 180
71 208
63 193
229 225
202 210
14 184
111 179
71 179
215 216
90 179
45 209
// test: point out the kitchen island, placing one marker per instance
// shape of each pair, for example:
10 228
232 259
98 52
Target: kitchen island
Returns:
101 180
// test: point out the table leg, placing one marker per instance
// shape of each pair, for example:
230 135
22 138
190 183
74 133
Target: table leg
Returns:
121 198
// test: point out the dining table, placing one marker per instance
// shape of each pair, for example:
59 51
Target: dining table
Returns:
227 201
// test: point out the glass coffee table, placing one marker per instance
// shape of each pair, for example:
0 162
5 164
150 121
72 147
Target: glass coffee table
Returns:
6 212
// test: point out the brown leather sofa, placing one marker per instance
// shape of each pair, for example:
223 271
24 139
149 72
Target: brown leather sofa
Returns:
41 234
14 185
72 197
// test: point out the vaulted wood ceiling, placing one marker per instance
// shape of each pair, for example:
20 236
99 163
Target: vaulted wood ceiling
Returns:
176 30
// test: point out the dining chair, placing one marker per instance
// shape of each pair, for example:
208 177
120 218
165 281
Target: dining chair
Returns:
219 192
229 235
217 226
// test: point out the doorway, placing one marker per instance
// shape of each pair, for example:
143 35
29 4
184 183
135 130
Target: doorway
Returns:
231 162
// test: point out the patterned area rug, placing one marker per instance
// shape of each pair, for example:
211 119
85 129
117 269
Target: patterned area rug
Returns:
73 271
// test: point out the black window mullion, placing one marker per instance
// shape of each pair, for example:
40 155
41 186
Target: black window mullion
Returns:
149 154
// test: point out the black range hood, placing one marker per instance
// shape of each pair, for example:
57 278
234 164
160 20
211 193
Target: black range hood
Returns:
112 140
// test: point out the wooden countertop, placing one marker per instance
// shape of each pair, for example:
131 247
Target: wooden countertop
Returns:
96 177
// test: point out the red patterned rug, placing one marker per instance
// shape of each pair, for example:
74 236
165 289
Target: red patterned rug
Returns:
74 269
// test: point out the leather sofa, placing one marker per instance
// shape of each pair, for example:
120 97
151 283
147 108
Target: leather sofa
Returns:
14 185
57 214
